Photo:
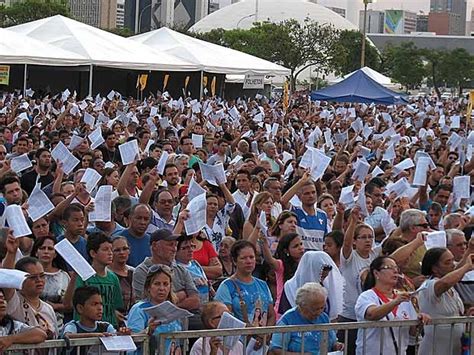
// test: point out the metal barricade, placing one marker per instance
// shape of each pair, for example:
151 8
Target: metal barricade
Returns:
266 332
57 346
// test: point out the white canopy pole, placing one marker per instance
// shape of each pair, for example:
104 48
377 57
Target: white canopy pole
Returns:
91 69
25 75
201 85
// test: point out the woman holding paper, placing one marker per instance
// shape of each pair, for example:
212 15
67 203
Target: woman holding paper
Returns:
157 288
263 202
381 302
438 298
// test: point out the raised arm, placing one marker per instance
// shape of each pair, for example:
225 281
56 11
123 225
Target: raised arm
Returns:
403 254
227 195
11 244
446 282
349 235
285 199
122 184
149 187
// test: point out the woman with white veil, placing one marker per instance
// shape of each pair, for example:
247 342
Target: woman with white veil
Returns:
315 266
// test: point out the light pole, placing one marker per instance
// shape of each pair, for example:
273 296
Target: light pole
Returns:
243 18
140 17
362 55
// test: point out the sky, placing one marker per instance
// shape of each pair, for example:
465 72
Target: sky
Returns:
411 5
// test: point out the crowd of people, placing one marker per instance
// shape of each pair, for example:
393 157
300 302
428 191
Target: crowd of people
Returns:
324 213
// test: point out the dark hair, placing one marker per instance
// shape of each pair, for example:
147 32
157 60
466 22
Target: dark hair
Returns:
375 265
290 265
7 180
337 236
58 261
435 206
147 163
181 140
391 245
168 166
183 238
238 246
95 240
244 172
24 262
82 294
442 187
40 151
430 259
69 210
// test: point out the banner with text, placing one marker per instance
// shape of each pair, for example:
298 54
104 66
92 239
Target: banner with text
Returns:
253 81
4 74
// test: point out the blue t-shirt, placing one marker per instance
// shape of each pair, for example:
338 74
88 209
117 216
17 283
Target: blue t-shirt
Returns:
72 327
293 340
137 320
139 248
199 278
311 228
80 246
255 294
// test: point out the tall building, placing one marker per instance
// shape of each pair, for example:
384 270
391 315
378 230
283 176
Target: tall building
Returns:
421 23
374 22
120 20
399 22
447 17
338 10
97 13
213 6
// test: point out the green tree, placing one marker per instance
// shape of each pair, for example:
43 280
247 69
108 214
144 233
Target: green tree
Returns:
457 69
30 10
289 43
348 49
404 64
435 60
124 32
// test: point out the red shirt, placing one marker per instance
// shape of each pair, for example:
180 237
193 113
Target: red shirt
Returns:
205 254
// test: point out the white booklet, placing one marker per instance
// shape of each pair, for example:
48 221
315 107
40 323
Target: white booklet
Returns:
75 259
228 321
119 343
167 312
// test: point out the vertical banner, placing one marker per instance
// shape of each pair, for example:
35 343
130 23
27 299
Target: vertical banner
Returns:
4 74
165 81
469 108
143 81
204 81
213 86
286 96
186 83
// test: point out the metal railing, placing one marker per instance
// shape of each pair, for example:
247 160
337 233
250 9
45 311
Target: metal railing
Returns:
76 345
266 332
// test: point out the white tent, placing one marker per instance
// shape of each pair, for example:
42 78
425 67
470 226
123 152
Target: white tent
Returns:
210 57
16 48
375 75
100 47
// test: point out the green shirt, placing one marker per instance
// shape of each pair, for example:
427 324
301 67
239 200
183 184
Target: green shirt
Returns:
109 287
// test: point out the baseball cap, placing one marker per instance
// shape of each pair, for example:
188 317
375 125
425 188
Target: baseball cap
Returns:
163 234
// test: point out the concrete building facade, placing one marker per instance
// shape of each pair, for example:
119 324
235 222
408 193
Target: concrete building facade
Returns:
97 13
374 22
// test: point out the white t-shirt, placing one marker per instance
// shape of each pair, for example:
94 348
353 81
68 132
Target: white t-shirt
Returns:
350 270
197 348
45 318
372 341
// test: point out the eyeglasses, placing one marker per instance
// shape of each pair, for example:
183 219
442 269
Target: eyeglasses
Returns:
118 250
424 225
388 267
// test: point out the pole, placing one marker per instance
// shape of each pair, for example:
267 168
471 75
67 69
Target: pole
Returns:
256 10
362 55
201 86
140 17
91 72
137 10
25 77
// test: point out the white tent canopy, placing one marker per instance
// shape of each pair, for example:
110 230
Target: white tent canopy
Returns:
210 57
100 47
373 74
16 48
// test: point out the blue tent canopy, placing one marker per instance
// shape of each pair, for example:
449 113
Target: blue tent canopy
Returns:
360 88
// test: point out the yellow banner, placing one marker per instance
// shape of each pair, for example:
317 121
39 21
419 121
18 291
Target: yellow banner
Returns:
143 81
204 81
165 81
286 98
469 109
4 74
213 86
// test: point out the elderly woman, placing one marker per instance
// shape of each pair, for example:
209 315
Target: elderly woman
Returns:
438 298
211 315
380 302
309 309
